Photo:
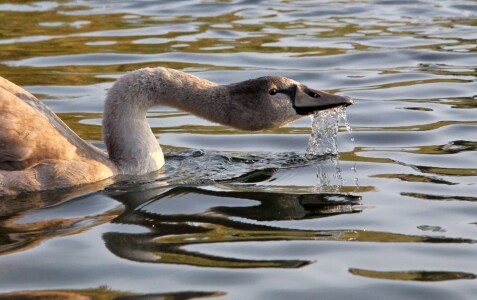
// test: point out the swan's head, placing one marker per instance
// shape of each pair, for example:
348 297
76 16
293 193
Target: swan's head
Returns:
270 102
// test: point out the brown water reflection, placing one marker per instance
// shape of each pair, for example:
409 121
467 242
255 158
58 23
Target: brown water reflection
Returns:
21 232
414 275
104 292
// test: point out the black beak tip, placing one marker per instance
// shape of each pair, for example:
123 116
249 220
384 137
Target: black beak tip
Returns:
342 101
349 101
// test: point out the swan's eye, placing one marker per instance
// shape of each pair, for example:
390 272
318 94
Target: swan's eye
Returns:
273 92
314 95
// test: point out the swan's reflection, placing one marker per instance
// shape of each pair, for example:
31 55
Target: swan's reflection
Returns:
182 216
279 206
177 217
170 232
32 218
236 212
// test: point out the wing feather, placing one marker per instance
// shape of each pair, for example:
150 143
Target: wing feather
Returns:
31 133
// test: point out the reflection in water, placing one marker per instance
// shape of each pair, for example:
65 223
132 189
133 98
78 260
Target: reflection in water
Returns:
415 178
11 205
172 225
177 217
282 206
440 197
170 233
30 219
103 292
413 275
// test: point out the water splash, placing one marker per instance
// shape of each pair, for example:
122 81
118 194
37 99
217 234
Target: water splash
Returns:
324 126
199 167
323 143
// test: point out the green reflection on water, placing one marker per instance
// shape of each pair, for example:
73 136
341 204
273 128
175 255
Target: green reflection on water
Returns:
105 293
431 276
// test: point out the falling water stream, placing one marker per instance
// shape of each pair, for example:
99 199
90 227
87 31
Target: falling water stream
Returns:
323 143
324 126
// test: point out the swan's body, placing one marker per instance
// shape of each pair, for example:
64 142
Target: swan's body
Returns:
39 152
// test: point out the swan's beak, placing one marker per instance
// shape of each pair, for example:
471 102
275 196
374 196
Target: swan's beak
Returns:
308 101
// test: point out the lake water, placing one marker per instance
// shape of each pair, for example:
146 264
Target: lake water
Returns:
241 215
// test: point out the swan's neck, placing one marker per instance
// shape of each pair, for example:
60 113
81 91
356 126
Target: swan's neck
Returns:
130 142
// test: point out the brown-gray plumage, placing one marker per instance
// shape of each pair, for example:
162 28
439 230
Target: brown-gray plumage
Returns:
39 152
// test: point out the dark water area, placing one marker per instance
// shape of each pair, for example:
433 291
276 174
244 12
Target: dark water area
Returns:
246 215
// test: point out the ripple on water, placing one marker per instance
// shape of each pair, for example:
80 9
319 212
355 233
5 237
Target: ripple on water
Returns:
390 214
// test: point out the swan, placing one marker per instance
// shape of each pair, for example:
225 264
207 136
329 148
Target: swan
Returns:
39 152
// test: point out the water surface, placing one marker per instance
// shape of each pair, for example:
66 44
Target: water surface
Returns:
241 215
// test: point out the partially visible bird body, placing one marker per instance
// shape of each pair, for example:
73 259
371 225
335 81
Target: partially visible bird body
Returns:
38 151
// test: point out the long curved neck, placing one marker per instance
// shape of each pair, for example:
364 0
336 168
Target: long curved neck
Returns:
130 141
